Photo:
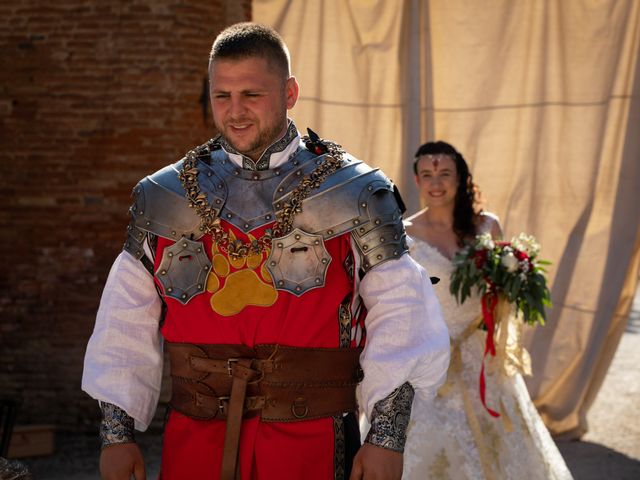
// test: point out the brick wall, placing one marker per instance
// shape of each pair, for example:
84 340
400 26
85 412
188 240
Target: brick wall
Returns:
93 96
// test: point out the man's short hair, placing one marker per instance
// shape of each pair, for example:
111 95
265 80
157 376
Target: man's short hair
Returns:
247 39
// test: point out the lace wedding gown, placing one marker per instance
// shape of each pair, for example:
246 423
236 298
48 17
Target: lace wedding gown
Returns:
453 436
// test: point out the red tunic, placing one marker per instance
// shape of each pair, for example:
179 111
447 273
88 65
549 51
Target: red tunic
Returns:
193 448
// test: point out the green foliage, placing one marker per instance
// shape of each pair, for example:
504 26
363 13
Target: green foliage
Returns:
510 269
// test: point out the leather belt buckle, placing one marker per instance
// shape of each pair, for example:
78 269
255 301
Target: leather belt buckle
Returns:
230 363
223 402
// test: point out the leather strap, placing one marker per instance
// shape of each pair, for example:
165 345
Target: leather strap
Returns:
280 383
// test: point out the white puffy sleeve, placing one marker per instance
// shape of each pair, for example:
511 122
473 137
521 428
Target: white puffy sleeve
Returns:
407 338
123 362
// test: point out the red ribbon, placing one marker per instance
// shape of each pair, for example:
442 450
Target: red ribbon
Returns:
489 302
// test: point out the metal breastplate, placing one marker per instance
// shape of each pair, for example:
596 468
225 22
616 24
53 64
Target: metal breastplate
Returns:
355 198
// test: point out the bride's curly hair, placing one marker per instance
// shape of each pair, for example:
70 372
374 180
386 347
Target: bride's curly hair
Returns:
466 209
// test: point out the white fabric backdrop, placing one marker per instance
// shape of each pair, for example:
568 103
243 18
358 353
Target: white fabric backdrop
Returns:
542 98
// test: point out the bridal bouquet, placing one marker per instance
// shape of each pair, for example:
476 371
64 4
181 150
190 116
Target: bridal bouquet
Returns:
507 269
502 273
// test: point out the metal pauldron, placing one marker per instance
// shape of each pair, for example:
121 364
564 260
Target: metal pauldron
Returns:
356 199
390 419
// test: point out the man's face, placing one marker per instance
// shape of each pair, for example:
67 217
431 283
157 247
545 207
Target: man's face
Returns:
249 100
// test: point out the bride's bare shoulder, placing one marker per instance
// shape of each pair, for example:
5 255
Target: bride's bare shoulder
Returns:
414 220
489 222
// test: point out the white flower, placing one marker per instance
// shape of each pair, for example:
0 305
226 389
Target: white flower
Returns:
527 244
485 241
510 262
524 266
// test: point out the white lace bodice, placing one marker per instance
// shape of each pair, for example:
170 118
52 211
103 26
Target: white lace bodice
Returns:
438 265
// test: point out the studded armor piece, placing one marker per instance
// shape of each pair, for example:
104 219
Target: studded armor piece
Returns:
312 198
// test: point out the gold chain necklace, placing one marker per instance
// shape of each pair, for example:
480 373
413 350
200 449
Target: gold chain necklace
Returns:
210 223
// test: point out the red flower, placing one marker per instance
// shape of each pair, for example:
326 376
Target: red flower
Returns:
520 255
480 257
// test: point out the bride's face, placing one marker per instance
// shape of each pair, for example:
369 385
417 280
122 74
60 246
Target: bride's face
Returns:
437 180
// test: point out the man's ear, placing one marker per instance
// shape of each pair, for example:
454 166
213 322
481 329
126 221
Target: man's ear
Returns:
291 90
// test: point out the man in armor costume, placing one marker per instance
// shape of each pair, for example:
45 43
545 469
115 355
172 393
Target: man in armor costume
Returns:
272 268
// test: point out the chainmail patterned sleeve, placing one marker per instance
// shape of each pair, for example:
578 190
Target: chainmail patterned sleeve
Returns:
116 426
390 419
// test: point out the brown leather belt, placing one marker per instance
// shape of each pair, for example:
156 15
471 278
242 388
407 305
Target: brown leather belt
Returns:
279 383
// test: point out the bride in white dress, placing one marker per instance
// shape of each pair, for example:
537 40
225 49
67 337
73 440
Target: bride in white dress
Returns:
453 436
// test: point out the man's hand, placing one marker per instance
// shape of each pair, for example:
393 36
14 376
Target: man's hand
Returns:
120 461
376 463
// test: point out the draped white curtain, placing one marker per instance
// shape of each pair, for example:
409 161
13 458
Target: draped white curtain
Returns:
542 97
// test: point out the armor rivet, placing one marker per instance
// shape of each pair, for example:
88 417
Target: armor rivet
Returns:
256 177
298 173
229 215
219 185
138 252
209 174
163 272
140 234
379 257
395 237
365 247
366 265
199 286
147 223
184 295
381 239
329 232
298 288
277 172
280 190
246 225
273 264
140 212
280 245
280 283
318 162
218 201
173 232
377 222
356 222
325 261
236 172
277 205
296 162
369 188
318 281
362 230
364 205
206 267
128 227
268 217
317 242
297 237
184 245
395 253
198 249
169 289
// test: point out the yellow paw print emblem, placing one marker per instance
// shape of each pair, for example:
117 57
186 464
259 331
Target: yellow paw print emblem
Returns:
235 283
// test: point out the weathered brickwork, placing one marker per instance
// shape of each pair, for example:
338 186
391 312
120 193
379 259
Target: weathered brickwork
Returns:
93 96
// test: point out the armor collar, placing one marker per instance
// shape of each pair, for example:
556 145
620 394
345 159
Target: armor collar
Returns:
264 162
